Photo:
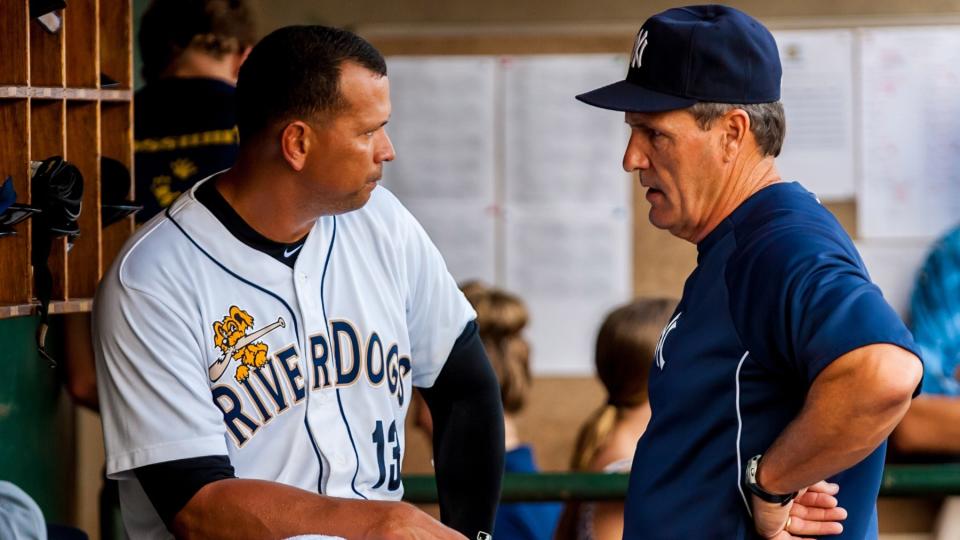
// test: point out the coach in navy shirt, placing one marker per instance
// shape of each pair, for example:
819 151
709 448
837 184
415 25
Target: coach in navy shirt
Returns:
782 365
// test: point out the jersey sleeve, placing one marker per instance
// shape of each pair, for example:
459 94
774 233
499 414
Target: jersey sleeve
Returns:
436 310
800 299
154 396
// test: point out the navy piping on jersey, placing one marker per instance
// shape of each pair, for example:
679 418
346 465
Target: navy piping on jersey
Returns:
323 306
306 423
296 324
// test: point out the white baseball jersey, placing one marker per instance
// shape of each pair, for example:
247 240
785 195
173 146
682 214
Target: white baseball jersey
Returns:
206 346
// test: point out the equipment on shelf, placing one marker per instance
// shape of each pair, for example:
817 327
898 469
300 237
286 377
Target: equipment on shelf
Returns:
115 183
43 12
57 187
12 212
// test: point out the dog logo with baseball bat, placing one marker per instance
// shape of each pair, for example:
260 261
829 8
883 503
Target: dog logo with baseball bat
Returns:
231 337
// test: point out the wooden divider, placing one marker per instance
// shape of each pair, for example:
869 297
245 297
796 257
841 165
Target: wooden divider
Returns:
15 286
81 29
83 150
48 138
14 59
46 56
116 136
52 103
116 44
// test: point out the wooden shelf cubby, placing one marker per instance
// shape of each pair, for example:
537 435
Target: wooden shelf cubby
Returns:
51 103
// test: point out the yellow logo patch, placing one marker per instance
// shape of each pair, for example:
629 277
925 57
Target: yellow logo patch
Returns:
236 339
183 168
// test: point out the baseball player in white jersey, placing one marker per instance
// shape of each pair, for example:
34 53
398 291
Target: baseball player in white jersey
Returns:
258 342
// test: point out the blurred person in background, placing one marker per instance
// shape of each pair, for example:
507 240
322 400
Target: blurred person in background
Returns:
625 347
184 118
501 318
930 431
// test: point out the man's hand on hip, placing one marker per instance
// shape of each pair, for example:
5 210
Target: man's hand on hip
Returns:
814 512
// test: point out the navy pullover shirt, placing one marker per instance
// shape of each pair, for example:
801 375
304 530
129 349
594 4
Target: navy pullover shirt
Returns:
779 292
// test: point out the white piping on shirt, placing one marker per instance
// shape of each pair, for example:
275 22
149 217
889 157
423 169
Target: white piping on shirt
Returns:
739 429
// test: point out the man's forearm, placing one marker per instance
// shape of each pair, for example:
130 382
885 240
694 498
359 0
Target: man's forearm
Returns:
852 406
931 426
240 509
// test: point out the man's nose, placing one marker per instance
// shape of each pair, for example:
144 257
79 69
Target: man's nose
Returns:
385 151
635 156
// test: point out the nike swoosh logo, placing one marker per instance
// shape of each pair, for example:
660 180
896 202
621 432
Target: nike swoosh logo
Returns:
288 253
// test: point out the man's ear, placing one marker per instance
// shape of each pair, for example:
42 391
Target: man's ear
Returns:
295 143
735 126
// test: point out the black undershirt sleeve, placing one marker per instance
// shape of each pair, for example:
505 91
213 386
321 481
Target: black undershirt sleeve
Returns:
467 436
170 485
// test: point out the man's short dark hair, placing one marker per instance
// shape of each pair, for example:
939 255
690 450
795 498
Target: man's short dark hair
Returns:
170 27
295 73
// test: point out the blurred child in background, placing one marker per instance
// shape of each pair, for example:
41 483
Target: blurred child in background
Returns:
626 344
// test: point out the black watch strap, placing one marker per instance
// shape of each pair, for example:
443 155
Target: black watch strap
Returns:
750 481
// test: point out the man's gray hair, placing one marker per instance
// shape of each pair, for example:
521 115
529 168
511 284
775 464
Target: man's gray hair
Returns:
767 121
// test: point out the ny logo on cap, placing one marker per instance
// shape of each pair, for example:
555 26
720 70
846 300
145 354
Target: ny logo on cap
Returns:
638 46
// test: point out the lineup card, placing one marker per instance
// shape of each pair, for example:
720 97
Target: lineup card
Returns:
911 132
817 96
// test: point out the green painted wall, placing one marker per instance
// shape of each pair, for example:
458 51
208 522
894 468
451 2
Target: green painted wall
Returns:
36 419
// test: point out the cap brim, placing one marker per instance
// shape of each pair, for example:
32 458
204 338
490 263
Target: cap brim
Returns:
112 213
626 96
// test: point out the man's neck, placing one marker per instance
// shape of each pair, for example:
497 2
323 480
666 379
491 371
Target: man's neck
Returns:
747 177
267 201
194 64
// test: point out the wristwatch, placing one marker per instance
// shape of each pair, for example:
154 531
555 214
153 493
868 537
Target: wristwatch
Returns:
750 481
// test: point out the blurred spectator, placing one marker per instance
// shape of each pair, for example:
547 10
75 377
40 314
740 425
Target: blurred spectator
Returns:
930 431
20 517
81 374
501 318
626 344
184 118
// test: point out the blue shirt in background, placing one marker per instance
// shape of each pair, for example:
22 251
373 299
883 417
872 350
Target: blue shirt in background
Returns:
525 521
935 316
779 292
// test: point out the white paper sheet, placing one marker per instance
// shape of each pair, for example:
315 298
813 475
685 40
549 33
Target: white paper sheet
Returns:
567 219
893 266
911 132
571 267
817 95
558 149
442 127
464 234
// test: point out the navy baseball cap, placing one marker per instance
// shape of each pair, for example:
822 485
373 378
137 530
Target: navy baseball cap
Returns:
686 55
